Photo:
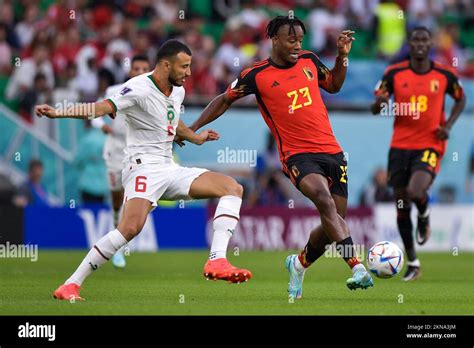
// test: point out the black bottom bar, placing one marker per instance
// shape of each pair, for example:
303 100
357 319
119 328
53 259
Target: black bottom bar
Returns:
382 331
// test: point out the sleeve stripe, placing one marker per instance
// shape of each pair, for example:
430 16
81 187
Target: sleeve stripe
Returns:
114 107
112 103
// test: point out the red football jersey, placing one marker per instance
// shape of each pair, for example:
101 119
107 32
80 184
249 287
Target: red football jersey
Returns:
423 95
290 103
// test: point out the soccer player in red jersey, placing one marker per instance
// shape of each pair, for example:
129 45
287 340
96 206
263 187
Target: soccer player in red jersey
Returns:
419 86
286 86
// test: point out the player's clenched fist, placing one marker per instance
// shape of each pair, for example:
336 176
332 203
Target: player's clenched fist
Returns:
45 110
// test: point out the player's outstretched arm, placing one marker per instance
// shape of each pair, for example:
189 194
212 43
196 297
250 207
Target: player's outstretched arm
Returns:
83 110
213 110
344 45
185 133
443 131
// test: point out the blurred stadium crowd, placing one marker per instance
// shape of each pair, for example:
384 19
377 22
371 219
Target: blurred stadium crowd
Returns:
83 45
52 51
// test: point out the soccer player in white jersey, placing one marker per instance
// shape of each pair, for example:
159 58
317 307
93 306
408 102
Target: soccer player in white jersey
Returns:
151 104
114 148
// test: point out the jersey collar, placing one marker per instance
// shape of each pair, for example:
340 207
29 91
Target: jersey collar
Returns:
280 66
431 68
158 87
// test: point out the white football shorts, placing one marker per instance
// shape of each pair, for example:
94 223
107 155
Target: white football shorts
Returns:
158 181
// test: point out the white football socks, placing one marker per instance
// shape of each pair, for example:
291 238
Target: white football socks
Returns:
226 218
97 256
357 268
415 263
117 214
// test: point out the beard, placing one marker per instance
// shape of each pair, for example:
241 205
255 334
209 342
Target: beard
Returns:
174 81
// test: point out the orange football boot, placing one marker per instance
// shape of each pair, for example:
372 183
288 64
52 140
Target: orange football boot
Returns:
222 269
68 292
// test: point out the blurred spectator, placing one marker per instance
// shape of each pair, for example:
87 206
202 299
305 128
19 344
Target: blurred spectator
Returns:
7 190
24 74
325 24
270 186
167 10
230 59
42 37
389 28
26 28
424 13
377 190
60 13
87 80
91 168
361 13
39 93
447 48
470 174
447 194
8 20
66 47
106 79
66 90
202 82
252 16
5 51
142 46
269 190
32 192
117 51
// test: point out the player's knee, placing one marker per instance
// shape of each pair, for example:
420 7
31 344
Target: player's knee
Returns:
130 229
234 189
323 201
415 194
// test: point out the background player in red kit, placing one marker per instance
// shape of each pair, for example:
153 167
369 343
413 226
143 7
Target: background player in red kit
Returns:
286 86
419 136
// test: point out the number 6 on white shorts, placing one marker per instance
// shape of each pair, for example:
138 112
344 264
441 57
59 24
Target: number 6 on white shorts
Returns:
140 184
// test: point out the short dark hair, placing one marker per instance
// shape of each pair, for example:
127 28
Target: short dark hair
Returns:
170 49
279 21
420 28
140 58
39 76
34 163
106 74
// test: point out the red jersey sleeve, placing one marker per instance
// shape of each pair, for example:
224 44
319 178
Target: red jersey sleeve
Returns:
454 88
385 85
324 74
243 85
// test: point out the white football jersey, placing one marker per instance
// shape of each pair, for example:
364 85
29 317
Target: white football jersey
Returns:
151 118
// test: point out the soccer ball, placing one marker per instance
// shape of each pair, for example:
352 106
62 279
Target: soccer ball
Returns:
385 259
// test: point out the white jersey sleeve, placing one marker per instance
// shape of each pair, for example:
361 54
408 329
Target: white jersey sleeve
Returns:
126 98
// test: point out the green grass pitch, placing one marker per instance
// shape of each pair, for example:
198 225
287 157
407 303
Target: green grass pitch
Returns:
171 283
